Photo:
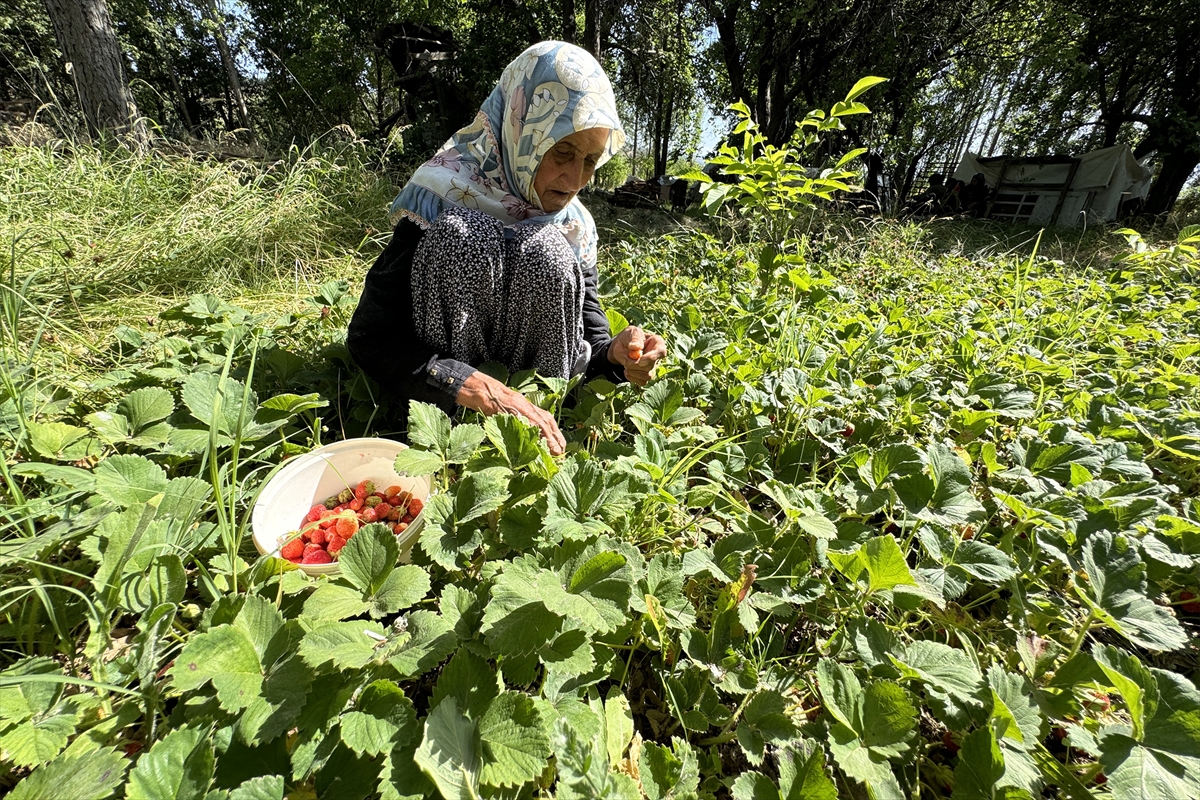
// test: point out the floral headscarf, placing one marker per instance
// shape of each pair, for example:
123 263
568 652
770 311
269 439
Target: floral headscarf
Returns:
547 93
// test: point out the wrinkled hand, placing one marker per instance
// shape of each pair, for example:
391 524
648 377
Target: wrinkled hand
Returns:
489 396
638 352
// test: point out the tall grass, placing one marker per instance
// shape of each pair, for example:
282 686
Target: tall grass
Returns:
127 224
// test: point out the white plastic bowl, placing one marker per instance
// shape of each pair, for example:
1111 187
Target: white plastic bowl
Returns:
309 479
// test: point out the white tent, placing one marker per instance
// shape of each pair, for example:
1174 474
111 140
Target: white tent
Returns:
1060 189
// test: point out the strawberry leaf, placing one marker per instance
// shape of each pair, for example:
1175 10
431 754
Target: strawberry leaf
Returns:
178 766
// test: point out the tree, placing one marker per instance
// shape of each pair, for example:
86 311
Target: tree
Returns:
1106 72
653 44
85 33
216 24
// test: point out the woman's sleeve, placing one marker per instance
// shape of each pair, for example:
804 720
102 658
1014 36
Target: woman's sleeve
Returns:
596 330
382 339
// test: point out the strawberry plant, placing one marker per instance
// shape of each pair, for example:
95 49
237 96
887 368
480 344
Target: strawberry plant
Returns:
921 529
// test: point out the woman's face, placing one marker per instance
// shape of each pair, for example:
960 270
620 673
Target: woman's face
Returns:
568 166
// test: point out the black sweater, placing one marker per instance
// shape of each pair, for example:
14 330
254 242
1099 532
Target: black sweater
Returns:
384 343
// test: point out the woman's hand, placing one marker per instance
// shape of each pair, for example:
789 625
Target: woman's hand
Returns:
638 352
489 396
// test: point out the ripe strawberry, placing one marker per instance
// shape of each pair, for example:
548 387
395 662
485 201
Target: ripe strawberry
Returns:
319 536
367 515
318 556
949 742
335 544
293 550
1191 608
392 491
346 526
415 506
315 513
306 535
407 519
311 548
395 513
399 528
328 521
848 431
356 504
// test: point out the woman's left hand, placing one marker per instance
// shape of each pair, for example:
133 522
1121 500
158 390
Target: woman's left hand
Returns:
638 352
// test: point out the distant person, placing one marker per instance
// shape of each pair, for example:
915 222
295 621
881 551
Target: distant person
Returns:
493 257
873 186
679 196
952 200
974 196
930 200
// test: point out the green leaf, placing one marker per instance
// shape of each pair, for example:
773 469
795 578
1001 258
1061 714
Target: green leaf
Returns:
332 601
218 402
369 562
515 620
514 742
882 560
478 494
428 427
464 439
802 774
431 638
618 724
980 766
417 462
764 722
92 776
1015 715
40 739
515 439
344 644
598 584
982 561
862 85
1137 685
52 439
180 767
669 773
128 480
404 587
873 724
443 540
569 653
952 501
471 681
383 718
143 407
575 499
754 786
952 681
1117 592
449 752
264 787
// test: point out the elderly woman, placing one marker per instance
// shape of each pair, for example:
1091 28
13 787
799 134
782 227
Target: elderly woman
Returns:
493 257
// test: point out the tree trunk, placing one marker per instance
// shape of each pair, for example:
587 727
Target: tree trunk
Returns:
591 27
235 82
85 33
1176 168
570 30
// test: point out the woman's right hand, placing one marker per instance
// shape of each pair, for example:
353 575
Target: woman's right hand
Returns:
489 396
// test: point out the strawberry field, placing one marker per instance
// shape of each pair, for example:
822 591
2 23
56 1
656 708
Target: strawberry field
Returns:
901 517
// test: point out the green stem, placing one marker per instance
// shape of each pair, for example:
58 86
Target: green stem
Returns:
1087 624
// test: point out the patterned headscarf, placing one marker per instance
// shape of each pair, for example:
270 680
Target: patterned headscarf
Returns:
547 93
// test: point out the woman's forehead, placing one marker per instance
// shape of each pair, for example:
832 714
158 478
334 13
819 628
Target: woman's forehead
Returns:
592 140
